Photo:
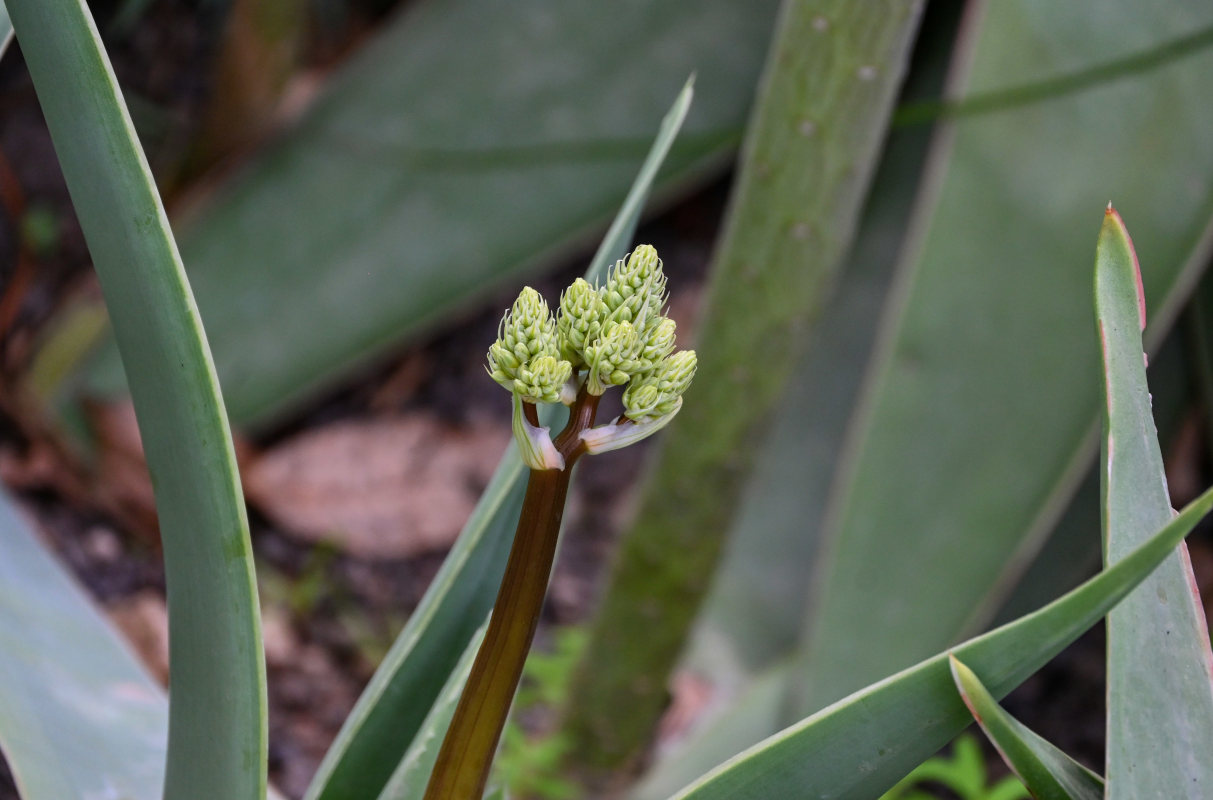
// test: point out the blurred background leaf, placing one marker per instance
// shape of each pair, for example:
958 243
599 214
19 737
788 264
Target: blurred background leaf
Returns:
79 716
828 89
993 313
976 372
392 204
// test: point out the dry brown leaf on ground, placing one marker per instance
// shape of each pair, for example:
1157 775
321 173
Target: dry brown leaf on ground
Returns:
691 695
385 488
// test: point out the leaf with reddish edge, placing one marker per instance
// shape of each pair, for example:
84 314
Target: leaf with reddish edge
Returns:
1047 772
863 744
1160 696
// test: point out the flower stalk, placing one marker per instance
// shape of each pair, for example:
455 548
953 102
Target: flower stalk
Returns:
616 335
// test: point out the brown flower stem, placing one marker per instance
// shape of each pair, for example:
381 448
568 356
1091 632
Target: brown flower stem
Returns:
466 755
531 413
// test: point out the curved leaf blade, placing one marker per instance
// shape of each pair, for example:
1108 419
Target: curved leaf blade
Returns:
79 716
391 710
217 714
468 144
863 744
413 772
1160 668
1047 771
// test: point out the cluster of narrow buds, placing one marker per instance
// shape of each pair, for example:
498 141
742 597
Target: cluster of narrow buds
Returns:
613 335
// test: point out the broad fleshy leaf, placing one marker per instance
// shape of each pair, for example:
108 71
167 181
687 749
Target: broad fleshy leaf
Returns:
772 544
980 413
863 744
217 715
469 143
1160 668
79 716
1048 772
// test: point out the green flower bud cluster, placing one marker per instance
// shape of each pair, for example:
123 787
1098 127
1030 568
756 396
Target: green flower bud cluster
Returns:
660 392
635 290
613 335
526 356
633 333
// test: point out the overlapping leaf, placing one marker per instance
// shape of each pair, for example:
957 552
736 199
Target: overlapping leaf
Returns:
1160 668
1047 771
863 744
980 409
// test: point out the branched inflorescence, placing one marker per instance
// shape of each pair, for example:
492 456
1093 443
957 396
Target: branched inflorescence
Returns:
613 335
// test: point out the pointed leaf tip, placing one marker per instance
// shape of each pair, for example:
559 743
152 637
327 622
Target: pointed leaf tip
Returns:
1047 772
1114 226
962 676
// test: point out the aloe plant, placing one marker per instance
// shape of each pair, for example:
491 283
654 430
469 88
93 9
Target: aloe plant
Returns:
1160 668
443 681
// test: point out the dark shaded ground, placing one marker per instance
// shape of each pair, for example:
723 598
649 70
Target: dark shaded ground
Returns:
329 617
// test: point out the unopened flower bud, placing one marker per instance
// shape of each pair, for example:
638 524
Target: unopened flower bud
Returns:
635 289
527 331
613 357
659 343
579 321
659 393
541 381
675 373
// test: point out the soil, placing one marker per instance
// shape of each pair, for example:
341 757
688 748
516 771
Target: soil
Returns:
330 615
